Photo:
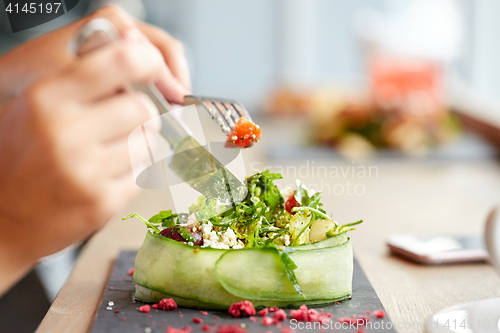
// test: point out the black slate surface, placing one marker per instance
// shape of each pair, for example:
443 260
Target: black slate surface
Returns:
120 291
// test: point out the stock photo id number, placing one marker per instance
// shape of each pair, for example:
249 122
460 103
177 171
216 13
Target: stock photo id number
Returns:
24 15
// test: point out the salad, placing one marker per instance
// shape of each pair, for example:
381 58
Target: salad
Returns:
275 248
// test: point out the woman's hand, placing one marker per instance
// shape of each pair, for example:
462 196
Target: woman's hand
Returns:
64 151
50 52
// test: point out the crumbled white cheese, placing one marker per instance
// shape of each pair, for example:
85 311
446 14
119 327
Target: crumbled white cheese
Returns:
239 245
228 238
234 138
217 245
287 192
213 236
219 239
206 229
287 240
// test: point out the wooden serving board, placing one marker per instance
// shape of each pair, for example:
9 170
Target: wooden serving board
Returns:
124 316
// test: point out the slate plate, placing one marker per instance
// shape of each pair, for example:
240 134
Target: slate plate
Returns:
120 291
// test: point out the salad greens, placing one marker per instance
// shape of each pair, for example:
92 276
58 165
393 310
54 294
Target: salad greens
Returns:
262 219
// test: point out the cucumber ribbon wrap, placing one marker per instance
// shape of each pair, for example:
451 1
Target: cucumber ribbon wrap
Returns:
214 278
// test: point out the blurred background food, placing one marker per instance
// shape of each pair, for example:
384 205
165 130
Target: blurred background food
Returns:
400 104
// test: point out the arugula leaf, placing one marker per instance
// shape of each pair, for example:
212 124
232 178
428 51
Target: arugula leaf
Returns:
262 189
185 233
226 221
165 217
301 194
204 209
353 223
315 211
313 201
342 229
146 222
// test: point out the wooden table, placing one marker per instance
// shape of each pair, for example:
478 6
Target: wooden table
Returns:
403 197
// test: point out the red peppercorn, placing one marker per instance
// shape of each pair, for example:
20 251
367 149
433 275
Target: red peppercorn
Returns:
231 329
204 313
379 313
205 327
344 320
263 312
145 308
302 314
166 304
266 321
186 329
197 320
279 315
244 308
131 271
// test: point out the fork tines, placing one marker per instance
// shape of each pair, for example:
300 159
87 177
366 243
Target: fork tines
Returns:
224 111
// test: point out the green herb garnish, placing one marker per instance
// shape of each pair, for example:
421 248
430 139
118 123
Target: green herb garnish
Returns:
342 229
165 217
146 222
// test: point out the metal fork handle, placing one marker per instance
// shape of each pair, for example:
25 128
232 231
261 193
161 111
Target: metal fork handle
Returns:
173 131
100 32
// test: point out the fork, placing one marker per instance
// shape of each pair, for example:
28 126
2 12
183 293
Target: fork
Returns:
225 112
193 157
